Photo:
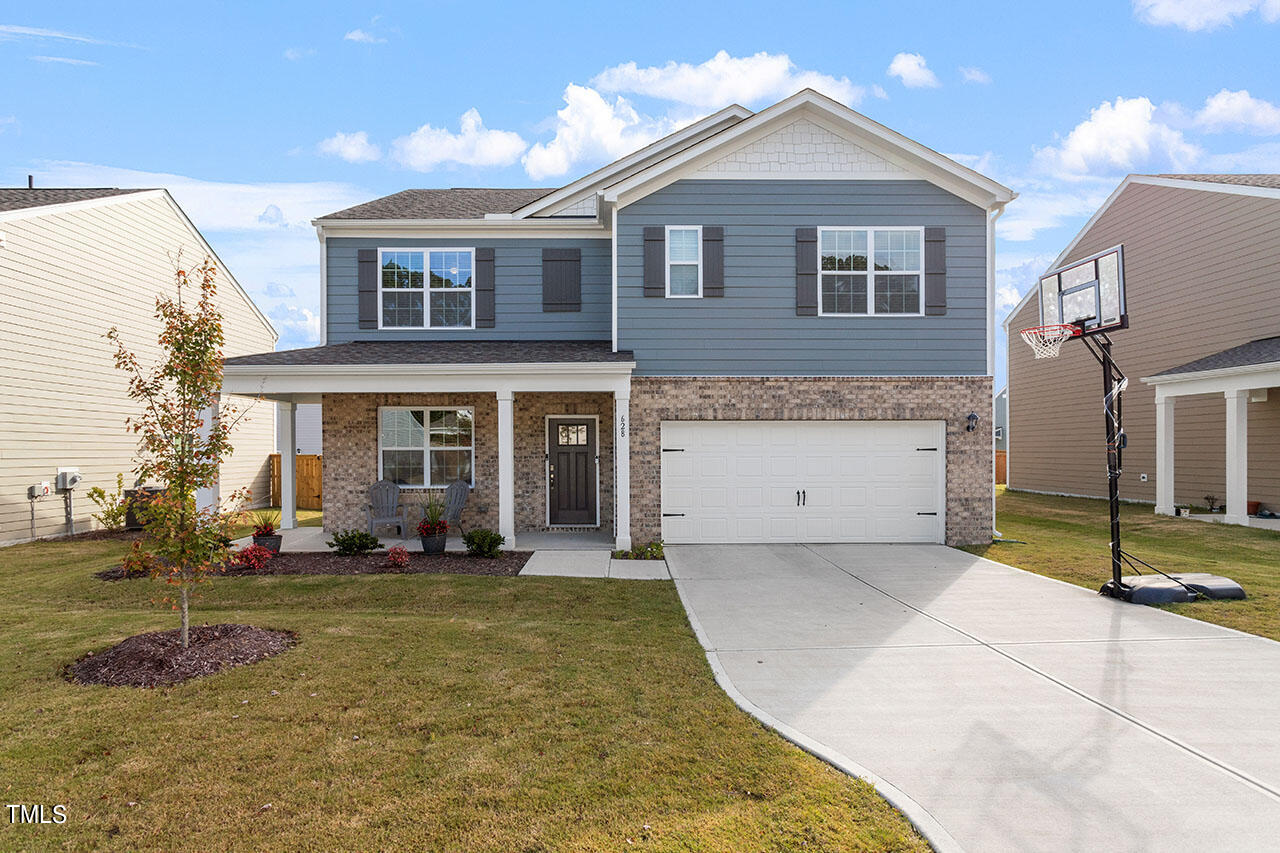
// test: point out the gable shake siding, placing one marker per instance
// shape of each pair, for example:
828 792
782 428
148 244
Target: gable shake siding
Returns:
519 312
753 329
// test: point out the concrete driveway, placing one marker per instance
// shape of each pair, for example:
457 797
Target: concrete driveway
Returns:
1000 709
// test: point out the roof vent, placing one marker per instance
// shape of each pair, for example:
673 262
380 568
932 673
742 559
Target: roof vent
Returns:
31 182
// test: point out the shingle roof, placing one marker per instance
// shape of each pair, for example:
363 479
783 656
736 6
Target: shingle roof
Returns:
1266 181
440 352
456 203
19 198
1262 351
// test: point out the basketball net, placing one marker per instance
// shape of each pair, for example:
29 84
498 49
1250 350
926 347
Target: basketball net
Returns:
1047 341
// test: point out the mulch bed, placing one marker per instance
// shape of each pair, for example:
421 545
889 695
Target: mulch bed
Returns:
506 564
158 659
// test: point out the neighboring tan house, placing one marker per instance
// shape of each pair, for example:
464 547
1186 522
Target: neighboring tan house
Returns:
1202 263
307 433
685 344
74 263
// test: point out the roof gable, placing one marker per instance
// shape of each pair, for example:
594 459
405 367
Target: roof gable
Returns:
26 198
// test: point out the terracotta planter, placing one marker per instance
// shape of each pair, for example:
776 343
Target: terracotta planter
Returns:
271 543
1253 507
433 544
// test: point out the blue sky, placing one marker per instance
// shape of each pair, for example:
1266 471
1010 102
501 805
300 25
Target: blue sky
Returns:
259 117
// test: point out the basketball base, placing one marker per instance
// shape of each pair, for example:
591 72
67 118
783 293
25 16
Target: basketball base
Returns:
1158 589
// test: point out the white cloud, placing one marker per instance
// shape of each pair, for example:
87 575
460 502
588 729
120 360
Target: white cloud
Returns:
1197 15
1048 206
293 54
1239 111
1015 275
971 74
363 37
590 127
725 79
984 162
298 327
9 31
912 70
8 121
1117 138
474 144
352 147
278 291
272 215
64 60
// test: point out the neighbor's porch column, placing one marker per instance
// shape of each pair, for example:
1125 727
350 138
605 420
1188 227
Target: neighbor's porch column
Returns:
1237 457
288 447
209 497
1164 454
622 468
506 468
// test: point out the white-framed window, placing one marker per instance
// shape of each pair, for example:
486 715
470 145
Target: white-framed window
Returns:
426 447
999 433
426 288
684 261
870 271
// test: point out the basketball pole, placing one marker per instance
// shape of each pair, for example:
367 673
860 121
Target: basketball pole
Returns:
1113 382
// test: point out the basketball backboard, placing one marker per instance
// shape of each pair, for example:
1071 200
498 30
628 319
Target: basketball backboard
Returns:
1087 293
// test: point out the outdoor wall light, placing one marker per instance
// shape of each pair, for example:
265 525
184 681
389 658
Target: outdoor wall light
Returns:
973 422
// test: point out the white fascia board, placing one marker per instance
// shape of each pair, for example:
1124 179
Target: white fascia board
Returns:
484 229
1222 379
893 146
278 381
585 186
66 206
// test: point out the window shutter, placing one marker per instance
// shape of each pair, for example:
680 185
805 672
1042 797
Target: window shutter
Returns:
806 272
655 261
484 282
935 271
561 279
712 260
367 287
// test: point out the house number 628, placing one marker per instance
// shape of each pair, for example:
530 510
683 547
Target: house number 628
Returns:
622 426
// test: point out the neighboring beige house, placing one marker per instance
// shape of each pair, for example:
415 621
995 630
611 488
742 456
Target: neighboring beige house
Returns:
1202 267
74 263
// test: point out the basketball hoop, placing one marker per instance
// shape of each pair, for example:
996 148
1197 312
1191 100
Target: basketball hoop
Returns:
1047 341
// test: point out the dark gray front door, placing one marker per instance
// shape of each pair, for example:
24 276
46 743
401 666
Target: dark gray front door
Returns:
571 457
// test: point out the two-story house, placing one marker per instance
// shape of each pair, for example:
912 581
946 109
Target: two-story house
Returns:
765 327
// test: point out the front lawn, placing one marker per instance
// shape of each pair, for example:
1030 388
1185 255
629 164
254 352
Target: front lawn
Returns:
417 712
1069 539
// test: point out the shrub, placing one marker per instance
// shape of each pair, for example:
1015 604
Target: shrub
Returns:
353 543
482 542
652 551
113 508
254 557
398 557
264 522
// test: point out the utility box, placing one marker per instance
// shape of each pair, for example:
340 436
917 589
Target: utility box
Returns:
39 490
68 479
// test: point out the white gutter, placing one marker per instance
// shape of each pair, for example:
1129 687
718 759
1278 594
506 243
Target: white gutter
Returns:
991 347
401 369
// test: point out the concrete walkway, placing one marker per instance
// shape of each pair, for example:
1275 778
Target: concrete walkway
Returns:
1001 710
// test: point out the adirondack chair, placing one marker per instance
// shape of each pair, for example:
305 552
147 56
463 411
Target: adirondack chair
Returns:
385 509
455 501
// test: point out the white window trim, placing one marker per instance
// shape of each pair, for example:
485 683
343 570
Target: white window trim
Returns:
426 287
426 449
667 243
871 273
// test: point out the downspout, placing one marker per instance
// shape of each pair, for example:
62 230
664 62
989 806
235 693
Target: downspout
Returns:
324 286
614 252
991 345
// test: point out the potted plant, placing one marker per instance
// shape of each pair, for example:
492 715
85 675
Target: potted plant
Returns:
433 529
264 530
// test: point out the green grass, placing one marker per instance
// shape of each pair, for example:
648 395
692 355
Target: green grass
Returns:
503 714
306 518
1068 539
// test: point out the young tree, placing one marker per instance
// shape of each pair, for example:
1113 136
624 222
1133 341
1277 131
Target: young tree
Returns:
183 436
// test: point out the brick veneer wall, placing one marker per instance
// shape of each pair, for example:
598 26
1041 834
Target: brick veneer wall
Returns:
350 423
969 487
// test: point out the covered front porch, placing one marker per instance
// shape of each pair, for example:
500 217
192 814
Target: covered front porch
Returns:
1245 376
538 429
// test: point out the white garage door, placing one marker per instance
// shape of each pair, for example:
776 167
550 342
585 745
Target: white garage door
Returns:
803 481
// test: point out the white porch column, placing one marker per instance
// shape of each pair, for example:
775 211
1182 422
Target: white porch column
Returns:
1164 454
288 447
208 497
622 469
1237 456
506 468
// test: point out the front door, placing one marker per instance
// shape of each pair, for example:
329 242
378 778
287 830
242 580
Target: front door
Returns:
571 471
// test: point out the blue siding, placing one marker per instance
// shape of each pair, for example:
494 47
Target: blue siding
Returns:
753 330
517 292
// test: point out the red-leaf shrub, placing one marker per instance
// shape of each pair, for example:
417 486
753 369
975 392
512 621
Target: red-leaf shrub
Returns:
398 557
254 557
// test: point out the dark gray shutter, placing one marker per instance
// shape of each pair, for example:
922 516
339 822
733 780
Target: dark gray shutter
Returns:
484 289
561 279
712 260
935 271
367 287
655 260
806 272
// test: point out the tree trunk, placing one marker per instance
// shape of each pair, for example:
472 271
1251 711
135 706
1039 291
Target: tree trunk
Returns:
186 622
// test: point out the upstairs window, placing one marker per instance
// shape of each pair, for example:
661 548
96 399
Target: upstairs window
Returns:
427 288
870 271
684 261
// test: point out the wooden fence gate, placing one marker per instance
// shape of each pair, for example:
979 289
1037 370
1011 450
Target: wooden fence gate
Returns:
308 467
1002 473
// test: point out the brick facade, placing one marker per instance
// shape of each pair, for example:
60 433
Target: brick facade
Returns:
350 423
969 486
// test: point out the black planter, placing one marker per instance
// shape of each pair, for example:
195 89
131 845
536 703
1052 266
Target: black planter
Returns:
433 544
271 543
